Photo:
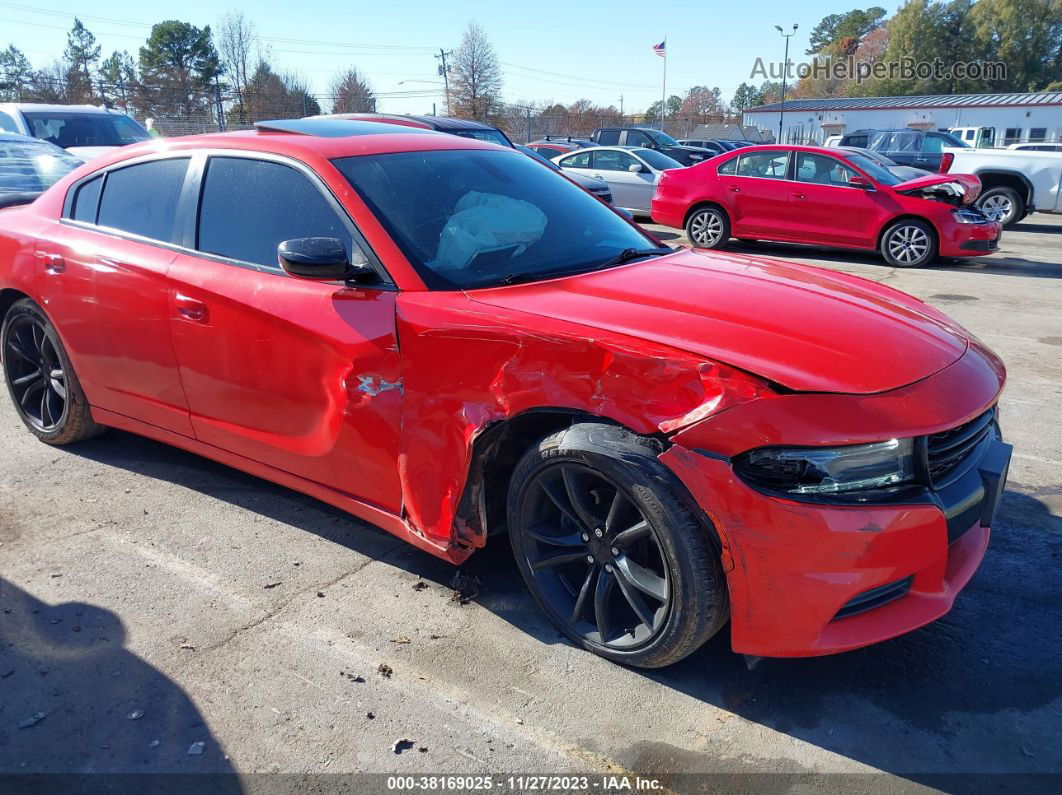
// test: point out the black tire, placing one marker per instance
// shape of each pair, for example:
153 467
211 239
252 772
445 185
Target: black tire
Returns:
909 243
1002 204
708 227
40 379
647 542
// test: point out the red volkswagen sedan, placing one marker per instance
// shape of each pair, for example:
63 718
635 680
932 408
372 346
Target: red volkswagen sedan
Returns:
831 197
449 341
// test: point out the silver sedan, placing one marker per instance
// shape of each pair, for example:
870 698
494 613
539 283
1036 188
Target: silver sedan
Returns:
630 171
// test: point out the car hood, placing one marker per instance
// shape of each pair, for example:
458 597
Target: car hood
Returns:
591 184
806 328
966 187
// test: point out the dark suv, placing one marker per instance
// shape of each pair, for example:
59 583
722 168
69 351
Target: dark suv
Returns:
648 138
918 148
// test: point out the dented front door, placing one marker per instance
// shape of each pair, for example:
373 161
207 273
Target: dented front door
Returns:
302 376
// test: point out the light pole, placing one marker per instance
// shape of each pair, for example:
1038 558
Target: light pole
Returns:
785 74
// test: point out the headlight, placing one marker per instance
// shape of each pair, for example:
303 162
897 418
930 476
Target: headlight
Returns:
830 470
969 216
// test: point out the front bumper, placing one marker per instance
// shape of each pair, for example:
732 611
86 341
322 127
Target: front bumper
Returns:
815 578
965 240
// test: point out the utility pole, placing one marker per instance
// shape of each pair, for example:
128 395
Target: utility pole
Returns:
785 74
445 74
621 106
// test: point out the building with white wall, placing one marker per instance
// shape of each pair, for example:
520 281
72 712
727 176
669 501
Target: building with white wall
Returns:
1012 117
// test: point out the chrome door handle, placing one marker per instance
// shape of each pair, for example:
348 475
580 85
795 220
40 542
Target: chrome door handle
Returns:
190 308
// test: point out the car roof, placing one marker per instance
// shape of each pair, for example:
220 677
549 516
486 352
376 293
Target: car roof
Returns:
307 139
53 108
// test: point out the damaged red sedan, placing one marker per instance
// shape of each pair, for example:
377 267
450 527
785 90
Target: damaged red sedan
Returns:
449 341
827 197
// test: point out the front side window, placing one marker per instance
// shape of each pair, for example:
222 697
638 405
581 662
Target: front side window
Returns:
7 124
142 199
822 170
468 218
766 165
933 144
638 138
660 138
85 129
612 160
249 207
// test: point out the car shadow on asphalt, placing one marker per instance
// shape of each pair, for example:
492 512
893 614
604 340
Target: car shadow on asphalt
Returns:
976 690
80 712
996 265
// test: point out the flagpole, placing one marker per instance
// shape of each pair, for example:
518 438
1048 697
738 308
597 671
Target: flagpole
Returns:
663 89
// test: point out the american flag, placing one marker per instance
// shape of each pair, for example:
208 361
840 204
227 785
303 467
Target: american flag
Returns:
661 48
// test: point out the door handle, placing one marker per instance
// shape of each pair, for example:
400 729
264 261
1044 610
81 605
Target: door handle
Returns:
190 308
800 195
53 263
734 189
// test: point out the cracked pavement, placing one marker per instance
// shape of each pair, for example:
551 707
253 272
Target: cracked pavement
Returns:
135 578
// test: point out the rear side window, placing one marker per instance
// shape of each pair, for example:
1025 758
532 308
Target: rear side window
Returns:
249 207
766 165
86 200
142 199
729 167
608 138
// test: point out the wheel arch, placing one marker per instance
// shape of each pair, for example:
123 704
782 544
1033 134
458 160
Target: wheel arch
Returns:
1006 178
700 205
499 447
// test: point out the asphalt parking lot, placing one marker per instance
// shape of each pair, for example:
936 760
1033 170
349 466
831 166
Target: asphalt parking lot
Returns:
164 613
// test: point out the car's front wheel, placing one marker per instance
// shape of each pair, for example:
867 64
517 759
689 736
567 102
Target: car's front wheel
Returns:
909 243
708 227
40 378
611 553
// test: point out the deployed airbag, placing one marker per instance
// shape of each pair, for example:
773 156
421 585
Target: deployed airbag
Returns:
486 222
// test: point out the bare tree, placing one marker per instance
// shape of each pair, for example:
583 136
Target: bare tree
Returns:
476 80
237 41
351 93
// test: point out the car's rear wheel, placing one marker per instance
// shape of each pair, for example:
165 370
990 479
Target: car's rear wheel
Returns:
41 380
1002 204
909 243
611 553
708 227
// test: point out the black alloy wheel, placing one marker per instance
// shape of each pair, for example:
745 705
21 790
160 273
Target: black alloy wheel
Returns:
595 557
35 373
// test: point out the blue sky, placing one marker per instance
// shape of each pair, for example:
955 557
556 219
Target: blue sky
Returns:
549 51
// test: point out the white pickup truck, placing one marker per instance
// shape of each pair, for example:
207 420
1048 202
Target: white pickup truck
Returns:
1014 182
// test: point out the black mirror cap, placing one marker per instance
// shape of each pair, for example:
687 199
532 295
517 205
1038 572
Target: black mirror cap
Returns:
317 258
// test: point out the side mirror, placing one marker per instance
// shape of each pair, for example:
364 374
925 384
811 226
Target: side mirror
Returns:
635 168
859 182
320 259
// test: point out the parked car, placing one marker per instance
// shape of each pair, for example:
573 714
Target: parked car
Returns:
631 173
835 140
903 172
1037 147
918 148
466 128
451 342
648 138
715 147
552 145
83 130
1015 182
29 166
808 194
597 187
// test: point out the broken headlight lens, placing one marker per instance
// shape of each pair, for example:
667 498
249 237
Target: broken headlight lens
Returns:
830 470
969 216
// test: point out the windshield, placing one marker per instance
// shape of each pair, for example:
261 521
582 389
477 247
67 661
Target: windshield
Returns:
873 169
660 138
657 160
66 129
490 136
471 218
32 166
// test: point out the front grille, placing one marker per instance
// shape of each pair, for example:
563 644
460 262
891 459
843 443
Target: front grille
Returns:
947 450
875 597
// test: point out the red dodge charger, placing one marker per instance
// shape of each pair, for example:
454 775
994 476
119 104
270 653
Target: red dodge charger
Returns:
449 341
830 197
